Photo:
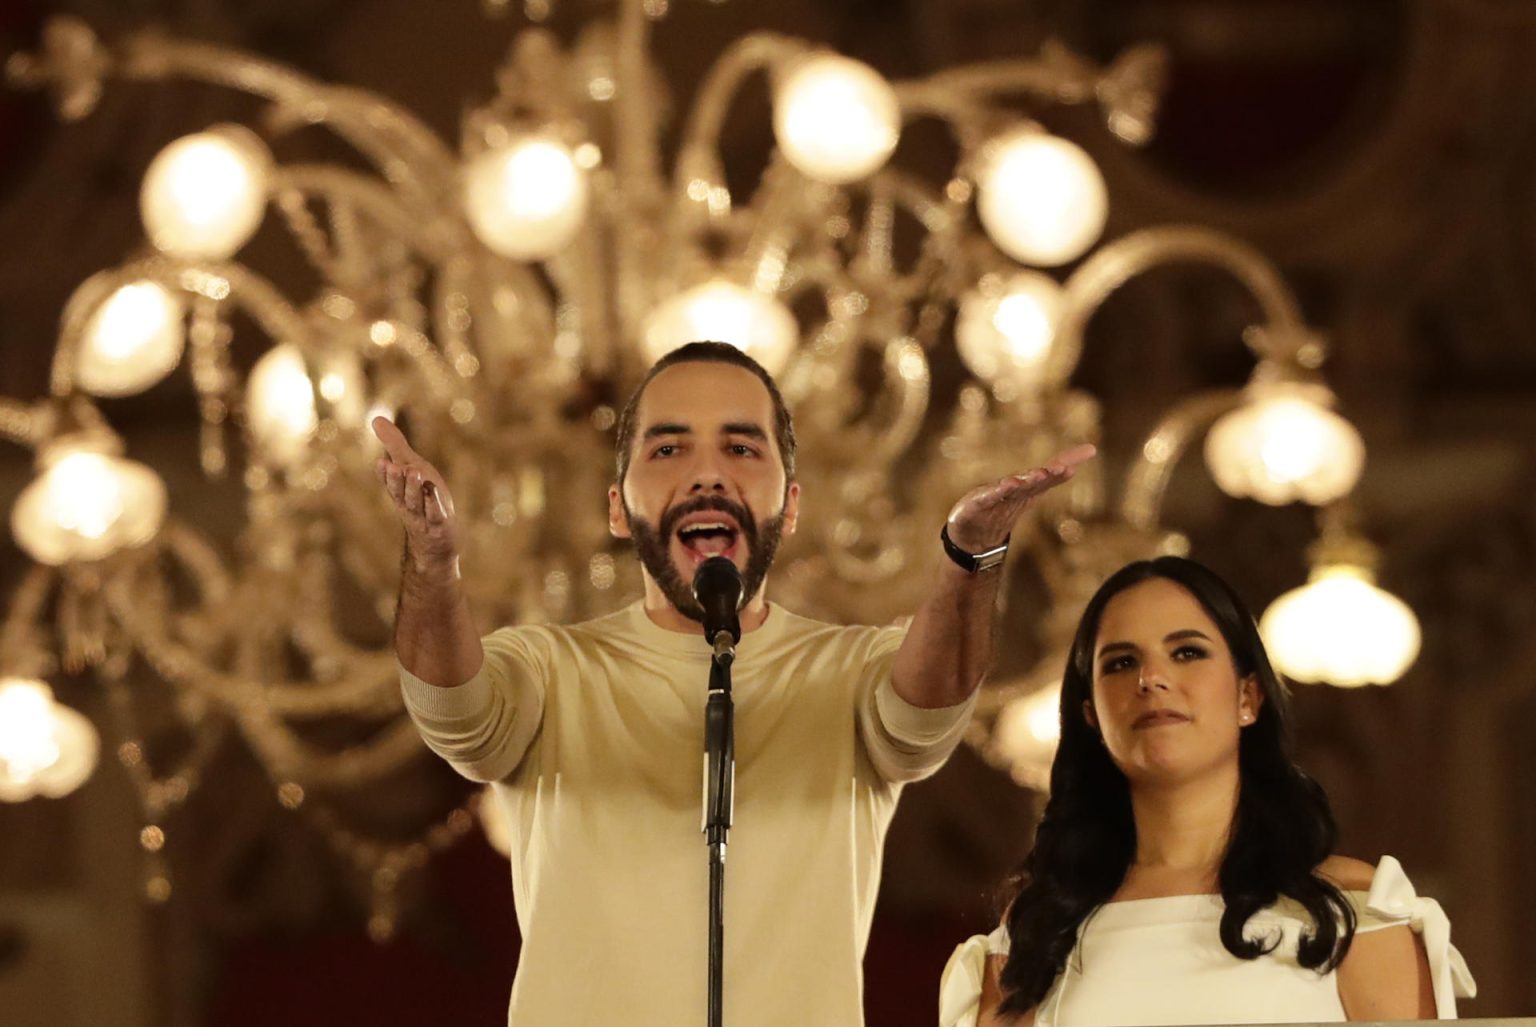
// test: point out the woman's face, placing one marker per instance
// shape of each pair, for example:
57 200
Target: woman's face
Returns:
1167 699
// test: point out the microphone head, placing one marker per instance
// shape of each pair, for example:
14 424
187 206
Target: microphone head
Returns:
717 588
715 579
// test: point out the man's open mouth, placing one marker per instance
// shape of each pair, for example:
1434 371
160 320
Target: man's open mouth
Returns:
709 534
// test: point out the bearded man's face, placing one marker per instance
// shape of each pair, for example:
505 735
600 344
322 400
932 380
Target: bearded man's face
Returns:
705 479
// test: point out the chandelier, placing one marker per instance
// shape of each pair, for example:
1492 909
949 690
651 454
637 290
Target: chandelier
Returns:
501 297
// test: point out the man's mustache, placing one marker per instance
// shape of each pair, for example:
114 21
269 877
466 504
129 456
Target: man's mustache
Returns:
742 515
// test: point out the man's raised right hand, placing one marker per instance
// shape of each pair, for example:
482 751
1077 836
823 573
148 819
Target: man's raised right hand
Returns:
421 499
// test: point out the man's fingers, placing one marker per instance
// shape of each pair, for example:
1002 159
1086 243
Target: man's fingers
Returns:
432 504
393 438
394 482
1076 455
413 482
1058 469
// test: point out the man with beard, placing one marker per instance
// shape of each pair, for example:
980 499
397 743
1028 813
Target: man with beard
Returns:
592 734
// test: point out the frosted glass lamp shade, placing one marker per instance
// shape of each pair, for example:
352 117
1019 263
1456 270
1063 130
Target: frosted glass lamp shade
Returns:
1005 327
722 311
836 119
204 195
87 505
280 404
1040 198
1284 447
132 341
1341 629
45 748
526 200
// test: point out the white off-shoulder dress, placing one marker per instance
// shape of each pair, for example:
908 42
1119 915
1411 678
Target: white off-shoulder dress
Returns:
1161 961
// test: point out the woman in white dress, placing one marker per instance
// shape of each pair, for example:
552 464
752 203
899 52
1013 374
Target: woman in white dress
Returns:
1184 872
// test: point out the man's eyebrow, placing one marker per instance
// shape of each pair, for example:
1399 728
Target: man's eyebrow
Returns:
1172 636
750 429
667 428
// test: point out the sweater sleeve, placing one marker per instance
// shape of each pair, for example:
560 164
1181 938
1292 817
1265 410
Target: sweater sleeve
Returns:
484 727
904 742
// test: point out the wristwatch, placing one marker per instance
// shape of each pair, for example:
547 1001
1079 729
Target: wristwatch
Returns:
973 562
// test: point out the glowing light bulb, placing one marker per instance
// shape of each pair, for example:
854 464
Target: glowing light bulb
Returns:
722 311
280 404
86 505
1026 734
1341 629
132 341
1285 446
526 200
836 119
1005 326
28 739
1040 197
45 748
204 195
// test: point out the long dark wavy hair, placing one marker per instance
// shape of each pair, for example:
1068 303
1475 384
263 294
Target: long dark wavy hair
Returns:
1282 830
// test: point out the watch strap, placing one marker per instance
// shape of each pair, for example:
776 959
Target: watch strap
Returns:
973 563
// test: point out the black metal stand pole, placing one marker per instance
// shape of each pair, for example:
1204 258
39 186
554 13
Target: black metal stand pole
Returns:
719 800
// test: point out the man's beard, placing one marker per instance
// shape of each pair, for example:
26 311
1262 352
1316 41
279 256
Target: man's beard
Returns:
653 546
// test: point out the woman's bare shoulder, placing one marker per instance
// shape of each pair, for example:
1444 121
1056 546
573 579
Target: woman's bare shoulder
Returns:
1347 872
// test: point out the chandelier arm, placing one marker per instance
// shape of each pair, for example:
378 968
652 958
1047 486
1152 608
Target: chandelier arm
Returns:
404 149
451 310
577 272
435 372
22 423
312 627
381 862
1147 480
783 199
1116 263
753 52
436 236
439 241
912 194
906 368
367 549
370 687
878 240
22 651
159 794
1057 75
289 756
637 187
906 382
634 141
462 288
197 556
895 190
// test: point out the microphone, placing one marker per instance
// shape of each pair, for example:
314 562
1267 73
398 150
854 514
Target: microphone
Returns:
717 588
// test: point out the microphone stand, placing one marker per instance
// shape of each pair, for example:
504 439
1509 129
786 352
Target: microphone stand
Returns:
719 801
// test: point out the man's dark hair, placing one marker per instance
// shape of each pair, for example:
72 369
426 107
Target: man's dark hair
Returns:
709 353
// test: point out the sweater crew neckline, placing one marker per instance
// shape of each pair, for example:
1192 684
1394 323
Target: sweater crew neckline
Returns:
689 644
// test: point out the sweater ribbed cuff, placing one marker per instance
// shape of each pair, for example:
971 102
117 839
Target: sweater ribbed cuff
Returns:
433 703
916 725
